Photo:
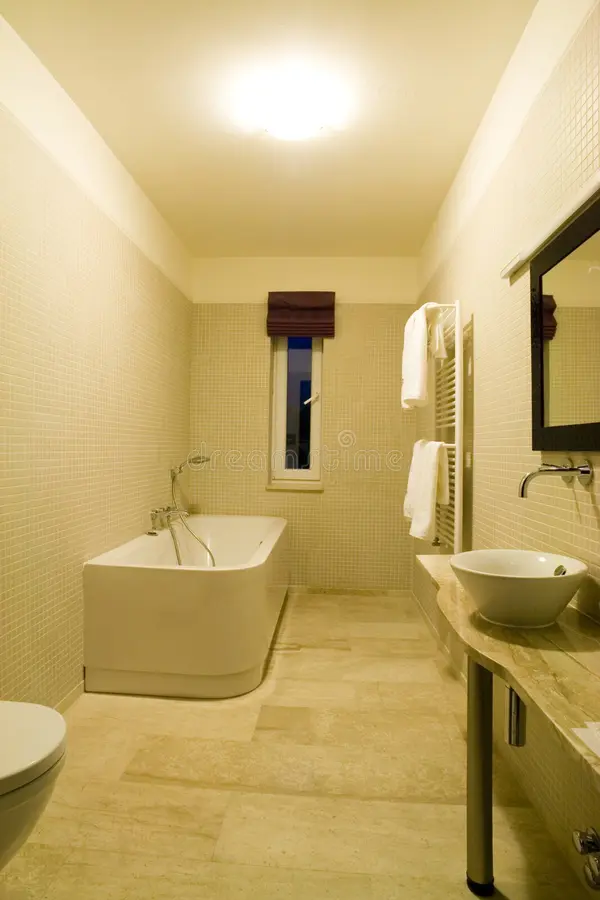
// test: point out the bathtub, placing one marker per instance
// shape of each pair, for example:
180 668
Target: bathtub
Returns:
152 627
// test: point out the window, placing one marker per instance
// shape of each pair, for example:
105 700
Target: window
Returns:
296 413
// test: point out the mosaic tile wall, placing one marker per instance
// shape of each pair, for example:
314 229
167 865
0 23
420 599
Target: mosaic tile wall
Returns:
94 407
557 152
352 535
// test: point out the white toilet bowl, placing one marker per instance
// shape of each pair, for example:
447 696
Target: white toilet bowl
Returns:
32 752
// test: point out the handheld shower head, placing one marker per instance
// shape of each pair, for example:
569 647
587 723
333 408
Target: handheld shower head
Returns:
197 460
194 461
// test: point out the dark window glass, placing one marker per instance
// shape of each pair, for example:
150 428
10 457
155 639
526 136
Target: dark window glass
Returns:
299 377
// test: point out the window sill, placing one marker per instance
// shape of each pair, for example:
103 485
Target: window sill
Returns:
315 487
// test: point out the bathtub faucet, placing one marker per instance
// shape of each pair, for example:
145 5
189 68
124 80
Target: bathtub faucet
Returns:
161 516
156 517
173 512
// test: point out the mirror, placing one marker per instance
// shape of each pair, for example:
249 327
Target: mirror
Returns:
565 331
571 313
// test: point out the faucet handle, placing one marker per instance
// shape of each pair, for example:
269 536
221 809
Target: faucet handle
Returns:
586 842
591 870
156 516
175 512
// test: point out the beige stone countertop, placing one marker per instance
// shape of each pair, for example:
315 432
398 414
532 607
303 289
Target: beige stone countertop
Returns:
556 668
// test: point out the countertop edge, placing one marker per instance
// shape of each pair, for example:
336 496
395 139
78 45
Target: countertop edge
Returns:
438 570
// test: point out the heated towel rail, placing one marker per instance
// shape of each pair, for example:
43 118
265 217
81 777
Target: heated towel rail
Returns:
448 427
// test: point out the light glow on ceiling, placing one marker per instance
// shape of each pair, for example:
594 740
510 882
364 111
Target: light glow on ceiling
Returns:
292 99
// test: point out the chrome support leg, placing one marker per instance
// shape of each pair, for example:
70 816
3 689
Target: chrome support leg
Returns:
480 854
516 716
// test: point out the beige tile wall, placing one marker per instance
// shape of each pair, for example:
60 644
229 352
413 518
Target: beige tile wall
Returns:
352 535
94 406
556 152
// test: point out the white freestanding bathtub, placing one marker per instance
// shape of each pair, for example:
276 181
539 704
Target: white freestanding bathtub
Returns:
152 627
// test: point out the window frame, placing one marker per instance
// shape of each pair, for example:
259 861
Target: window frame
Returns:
279 476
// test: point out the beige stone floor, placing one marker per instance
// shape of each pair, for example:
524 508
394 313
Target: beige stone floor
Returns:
341 778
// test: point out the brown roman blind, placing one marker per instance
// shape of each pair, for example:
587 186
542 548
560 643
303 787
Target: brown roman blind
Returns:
301 314
549 323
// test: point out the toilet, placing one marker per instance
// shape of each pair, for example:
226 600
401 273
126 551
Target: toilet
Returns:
32 753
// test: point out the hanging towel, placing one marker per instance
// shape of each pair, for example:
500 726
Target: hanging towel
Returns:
428 484
423 332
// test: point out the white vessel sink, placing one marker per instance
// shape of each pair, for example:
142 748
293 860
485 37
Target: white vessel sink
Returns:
519 588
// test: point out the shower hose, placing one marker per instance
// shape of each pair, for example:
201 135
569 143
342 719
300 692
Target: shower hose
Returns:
174 481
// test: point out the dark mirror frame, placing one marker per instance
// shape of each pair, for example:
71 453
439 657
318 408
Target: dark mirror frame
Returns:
558 437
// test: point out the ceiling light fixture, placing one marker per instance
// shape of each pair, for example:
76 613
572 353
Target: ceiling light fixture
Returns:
292 100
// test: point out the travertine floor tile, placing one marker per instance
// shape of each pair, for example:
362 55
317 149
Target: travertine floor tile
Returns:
329 599
333 665
148 715
95 876
383 730
394 648
303 692
415 629
408 697
149 819
398 887
317 617
401 696
313 641
370 610
96 751
90 876
410 840
199 811
430 773
342 777
318 630
412 644
31 872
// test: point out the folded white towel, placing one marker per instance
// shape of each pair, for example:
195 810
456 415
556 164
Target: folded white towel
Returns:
423 335
428 484
437 345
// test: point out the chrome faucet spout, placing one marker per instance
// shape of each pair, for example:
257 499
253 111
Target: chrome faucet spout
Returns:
567 472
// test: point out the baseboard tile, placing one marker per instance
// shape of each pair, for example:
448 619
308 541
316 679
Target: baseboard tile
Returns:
70 699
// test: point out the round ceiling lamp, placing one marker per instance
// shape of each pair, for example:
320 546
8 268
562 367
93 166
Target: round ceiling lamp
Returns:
291 99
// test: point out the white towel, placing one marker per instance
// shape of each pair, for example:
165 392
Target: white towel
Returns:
428 484
423 332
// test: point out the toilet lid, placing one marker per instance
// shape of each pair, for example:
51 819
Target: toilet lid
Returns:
32 740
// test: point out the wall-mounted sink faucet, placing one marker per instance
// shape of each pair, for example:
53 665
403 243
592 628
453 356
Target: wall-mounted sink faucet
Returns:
567 471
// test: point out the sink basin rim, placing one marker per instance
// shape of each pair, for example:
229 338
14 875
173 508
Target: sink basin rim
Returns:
574 566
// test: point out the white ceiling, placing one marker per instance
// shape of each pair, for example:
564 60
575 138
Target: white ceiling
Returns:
149 74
